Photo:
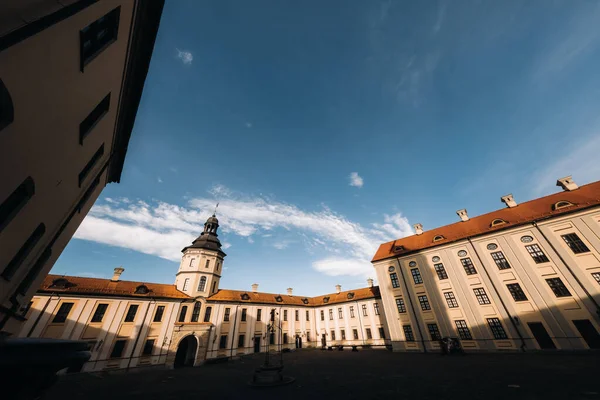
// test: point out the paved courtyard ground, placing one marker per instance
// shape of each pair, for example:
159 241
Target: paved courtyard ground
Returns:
369 374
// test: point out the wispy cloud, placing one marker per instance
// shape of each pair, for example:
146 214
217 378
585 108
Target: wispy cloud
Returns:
185 56
162 229
159 179
226 245
248 124
173 169
355 180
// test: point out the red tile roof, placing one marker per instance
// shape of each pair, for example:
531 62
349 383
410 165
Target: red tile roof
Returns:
584 197
271 298
106 287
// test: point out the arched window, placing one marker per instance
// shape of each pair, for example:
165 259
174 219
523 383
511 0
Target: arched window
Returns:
214 288
562 204
143 289
438 238
202 284
497 222
192 261
186 284
7 112
196 311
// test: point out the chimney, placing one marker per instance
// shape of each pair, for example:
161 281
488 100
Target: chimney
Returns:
418 228
463 214
117 275
509 201
567 183
338 288
289 290
370 282
255 287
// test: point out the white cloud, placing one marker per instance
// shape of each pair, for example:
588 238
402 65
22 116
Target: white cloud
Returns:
248 124
185 56
164 229
356 180
283 244
226 245
159 180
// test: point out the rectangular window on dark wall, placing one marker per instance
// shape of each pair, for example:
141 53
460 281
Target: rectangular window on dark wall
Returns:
285 315
355 334
440 271
27 247
575 243
241 340
401 306
148 347
424 302
481 296
86 126
226 315
34 271
97 36
297 315
88 193
434 331
118 348
258 315
394 279
463 330
182 314
196 311
416 274
307 315
7 110
244 314
450 300
223 342
408 333
596 276
90 165
381 333
16 201
369 334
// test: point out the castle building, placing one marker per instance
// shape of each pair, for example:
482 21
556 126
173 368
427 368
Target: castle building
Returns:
526 277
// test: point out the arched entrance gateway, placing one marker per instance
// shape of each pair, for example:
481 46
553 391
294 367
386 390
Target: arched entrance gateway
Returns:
186 352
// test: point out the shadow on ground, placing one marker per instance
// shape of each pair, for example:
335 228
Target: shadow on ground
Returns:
370 374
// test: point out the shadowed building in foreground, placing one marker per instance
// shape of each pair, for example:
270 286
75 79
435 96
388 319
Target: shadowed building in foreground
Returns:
71 78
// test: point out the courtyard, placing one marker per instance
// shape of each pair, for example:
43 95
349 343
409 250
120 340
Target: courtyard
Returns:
368 374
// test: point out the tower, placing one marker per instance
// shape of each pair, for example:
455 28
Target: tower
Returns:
202 262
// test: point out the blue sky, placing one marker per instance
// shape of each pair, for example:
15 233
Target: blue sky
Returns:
326 128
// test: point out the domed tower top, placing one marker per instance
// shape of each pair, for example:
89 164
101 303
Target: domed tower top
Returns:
209 238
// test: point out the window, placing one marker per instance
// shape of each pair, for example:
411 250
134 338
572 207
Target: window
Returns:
259 314
416 274
450 300
63 313
441 271
99 313
438 238
434 332
332 335
244 314
186 283
331 314
343 334
558 287
340 313
424 302
118 348
376 308
468 266
223 342
482 296
196 311
307 336
192 261
148 347
97 36
242 340
500 260
401 306
90 165
226 315
351 311
297 315
285 338
279 299
497 222
326 299
562 204
369 335
14 264
536 253
575 243
394 278
142 289
463 330
131 313
322 315
207 314
496 328
207 264
364 310
214 287
355 334
272 338
202 284
285 315
182 314
596 276
516 292
7 111
86 126
272 315
307 315
17 199
408 333
88 193
381 332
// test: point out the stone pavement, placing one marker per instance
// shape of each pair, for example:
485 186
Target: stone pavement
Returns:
368 374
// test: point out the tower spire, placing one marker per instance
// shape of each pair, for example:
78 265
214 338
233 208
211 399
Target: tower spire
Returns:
215 212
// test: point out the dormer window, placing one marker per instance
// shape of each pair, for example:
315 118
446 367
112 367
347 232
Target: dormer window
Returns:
326 299
142 289
398 249
305 300
438 238
60 283
562 204
278 299
245 296
497 222
350 295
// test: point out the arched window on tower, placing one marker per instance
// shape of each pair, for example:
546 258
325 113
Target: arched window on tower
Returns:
202 284
207 263
186 284
192 261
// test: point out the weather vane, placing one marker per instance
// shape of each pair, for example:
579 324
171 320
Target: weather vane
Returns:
215 212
